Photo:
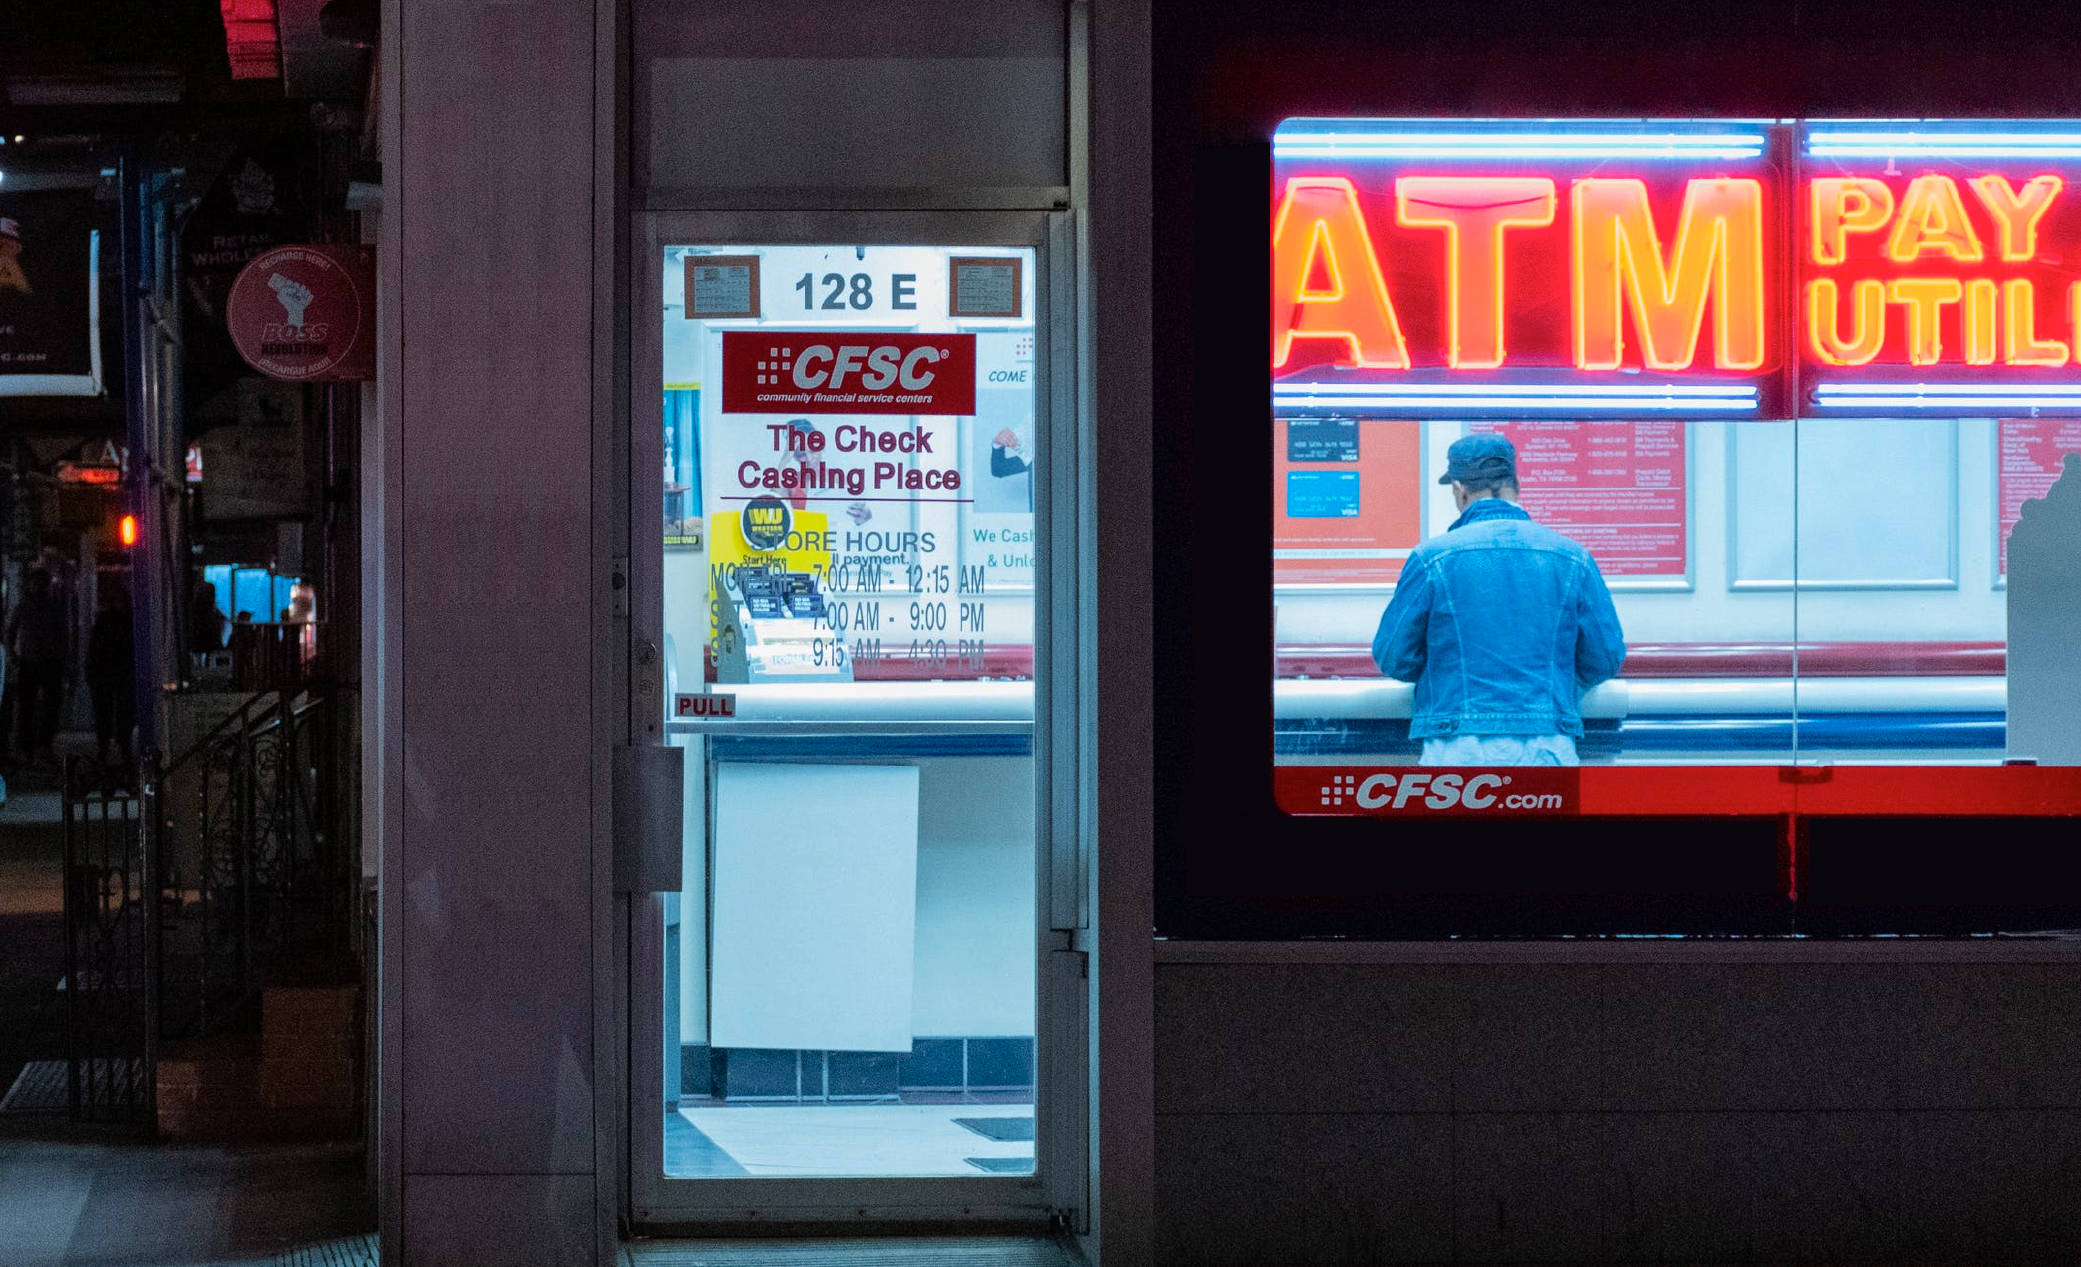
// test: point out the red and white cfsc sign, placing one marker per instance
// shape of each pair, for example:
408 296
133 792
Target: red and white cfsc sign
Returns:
847 372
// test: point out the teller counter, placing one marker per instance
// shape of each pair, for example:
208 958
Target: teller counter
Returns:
870 719
1708 720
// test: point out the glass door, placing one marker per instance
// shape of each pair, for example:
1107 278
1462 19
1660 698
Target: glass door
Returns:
839 562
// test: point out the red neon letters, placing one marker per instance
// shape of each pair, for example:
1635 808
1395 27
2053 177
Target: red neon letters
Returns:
1326 280
1625 270
1910 269
1718 253
1474 212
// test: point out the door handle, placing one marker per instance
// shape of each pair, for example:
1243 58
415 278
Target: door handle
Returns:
649 790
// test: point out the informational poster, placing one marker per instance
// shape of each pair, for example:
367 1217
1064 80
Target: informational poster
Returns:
1347 500
984 286
1618 488
722 286
682 451
1002 455
2033 455
50 342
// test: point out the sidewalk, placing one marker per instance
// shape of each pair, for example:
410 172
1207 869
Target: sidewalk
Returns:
77 1197
32 932
73 1195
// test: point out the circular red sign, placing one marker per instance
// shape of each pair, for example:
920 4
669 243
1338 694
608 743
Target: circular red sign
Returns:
294 312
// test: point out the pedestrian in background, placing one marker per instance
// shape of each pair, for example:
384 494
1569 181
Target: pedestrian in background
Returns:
205 623
112 674
40 638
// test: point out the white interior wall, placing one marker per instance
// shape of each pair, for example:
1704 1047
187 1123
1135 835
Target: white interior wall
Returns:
1895 473
975 952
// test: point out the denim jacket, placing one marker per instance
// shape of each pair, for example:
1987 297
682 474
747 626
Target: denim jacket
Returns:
1502 624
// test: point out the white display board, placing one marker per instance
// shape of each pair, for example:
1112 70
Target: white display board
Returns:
815 907
1877 504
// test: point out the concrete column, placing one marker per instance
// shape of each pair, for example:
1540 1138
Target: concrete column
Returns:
492 931
1123 1176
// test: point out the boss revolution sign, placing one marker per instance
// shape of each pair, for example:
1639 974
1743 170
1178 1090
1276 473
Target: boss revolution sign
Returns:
1583 269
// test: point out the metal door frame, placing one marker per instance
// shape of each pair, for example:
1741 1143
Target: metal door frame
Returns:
1058 1192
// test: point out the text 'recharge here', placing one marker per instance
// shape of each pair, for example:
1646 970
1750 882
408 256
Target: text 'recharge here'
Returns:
1670 280
1936 269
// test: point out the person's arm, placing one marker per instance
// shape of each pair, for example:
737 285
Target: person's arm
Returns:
1600 645
1005 450
1404 636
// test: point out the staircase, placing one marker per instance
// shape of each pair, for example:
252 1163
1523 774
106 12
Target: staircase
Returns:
294 1077
214 938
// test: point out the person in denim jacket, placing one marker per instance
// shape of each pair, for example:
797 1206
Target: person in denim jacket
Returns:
1501 623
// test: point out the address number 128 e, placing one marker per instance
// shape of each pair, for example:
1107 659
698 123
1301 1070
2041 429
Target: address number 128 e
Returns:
840 291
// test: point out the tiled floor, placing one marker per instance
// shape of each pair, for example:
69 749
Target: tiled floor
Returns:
941 1251
715 1141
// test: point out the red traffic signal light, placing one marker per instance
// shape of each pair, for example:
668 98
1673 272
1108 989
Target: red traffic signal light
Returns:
126 530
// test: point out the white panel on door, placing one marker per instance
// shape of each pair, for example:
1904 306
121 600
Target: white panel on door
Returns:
815 906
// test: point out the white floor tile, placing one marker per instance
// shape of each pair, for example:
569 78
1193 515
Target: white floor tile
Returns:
855 1139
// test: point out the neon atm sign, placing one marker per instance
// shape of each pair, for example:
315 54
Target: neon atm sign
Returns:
1937 267
1714 269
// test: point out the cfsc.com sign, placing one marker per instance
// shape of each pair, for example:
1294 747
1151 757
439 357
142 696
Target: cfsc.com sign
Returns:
1538 791
847 372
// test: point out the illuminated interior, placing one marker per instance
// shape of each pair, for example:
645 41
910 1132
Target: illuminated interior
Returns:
1803 506
850 463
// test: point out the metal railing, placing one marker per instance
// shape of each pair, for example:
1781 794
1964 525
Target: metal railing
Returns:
254 878
279 656
223 870
111 1027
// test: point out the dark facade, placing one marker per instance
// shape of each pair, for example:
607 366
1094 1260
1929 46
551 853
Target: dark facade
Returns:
1335 1048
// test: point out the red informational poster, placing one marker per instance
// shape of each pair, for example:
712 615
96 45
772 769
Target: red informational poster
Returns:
1347 500
1619 488
2032 453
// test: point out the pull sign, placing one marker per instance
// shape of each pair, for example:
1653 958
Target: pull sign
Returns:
711 705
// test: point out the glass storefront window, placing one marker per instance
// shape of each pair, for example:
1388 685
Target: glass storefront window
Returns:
1802 511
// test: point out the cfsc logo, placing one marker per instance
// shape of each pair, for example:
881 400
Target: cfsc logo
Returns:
1447 791
868 367
810 372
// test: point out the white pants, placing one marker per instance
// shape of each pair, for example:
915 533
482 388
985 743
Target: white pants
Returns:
1501 750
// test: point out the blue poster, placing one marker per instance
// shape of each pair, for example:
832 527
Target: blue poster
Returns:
1322 494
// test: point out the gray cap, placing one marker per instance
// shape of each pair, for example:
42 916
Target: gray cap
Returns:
1482 456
